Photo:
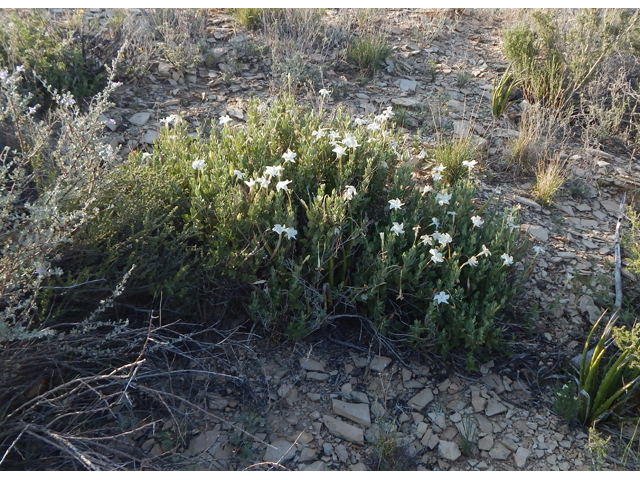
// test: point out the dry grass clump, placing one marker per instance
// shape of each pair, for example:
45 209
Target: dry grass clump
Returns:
550 176
541 131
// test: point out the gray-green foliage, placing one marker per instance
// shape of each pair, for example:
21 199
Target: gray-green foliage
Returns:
48 183
212 232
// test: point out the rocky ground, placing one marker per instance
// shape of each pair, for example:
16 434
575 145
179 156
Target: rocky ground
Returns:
348 404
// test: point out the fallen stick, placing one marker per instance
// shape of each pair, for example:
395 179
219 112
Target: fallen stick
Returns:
618 278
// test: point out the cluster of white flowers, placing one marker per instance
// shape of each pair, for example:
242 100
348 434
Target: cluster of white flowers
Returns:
437 172
397 228
349 192
443 198
477 221
170 120
289 156
395 204
289 231
198 164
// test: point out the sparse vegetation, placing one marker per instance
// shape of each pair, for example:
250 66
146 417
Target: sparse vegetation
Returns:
368 52
550 177
270 205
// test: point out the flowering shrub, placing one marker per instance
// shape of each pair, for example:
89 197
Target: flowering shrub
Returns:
309 222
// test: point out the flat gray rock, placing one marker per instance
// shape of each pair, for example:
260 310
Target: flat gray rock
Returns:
358 412
408 85
378 364
279 451
342 453
485 443
139 119
405 102
483 423
461 128
204 442
499 452
150 136
308 454
521 456
539 232
318 466
422 399
494 407
478 401
344 430
527 202
311 365
449 450
430 440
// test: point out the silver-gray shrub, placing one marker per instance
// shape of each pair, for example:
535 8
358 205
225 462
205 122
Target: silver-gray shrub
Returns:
52 166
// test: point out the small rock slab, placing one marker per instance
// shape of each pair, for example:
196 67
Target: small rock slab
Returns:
405 102
539 232
430 439
494 407
139 119
528 202
408 85
422 399
494 382
449 450
378 364
150 136
478 401
521 456
308 454
499 452
483 423
321 377
318 466
203 442
311 365
279 451
358 412
344 430
486 443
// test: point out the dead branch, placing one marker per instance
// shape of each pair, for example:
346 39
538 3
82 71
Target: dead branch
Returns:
618 278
